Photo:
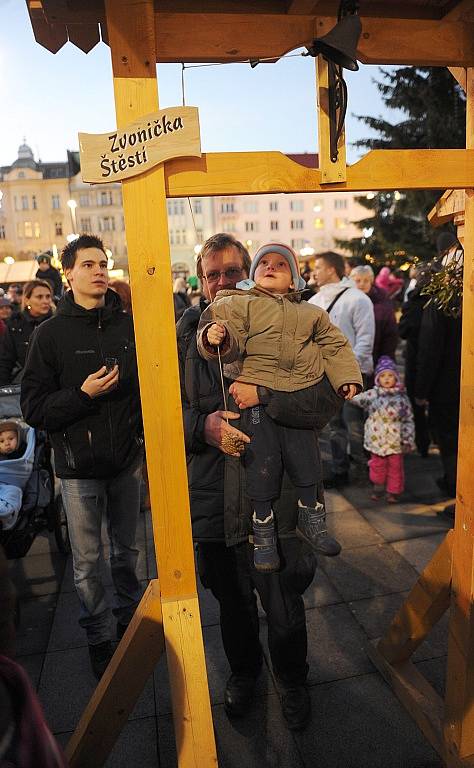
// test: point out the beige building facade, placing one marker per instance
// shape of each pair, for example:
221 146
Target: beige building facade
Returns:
42 204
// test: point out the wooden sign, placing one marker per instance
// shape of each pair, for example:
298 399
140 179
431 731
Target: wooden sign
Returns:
118 155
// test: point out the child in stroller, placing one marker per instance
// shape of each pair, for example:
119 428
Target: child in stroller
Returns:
27 499
17 446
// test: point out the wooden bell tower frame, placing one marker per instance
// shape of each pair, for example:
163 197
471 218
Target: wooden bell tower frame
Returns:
140 33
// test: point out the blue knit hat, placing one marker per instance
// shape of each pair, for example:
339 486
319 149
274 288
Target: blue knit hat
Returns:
288 253
385 363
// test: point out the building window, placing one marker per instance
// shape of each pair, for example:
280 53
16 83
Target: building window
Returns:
297 243
250 206
21 175
199 236
274 225
273 205
251 226
296 205
319 223
180 237
37 230
296 224
24 202
340 205
105 198
33 202
227 208
85 225
19 229
28 229
341 223
106 224
317 207
55 201
58 228
15 203
84 200
198 207
229 226
2 232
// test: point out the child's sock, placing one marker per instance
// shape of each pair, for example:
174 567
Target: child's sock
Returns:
263 510
307 495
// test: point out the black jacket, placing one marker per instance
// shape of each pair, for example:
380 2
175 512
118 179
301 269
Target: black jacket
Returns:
14 345
53 277
220 509
92 438
438 363
409 329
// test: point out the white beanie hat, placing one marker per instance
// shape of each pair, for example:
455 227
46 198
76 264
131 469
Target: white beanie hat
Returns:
288 253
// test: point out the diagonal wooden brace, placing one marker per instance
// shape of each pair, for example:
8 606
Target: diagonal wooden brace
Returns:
117 693
423 608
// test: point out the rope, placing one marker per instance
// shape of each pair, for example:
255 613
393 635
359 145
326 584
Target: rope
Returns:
221 370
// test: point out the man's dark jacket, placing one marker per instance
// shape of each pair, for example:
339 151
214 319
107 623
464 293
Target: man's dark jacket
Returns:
386 331
220 509
409 328
92 438
438 365
14 345
53 277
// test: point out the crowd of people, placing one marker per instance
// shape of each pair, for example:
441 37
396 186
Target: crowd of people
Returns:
270 363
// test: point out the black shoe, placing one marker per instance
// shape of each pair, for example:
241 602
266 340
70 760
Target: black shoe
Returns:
100 656
311 527
121 629
296 707
337 481
238 694
265 552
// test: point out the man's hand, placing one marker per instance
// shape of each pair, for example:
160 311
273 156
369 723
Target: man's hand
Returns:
245 395
348 391
100 382
221 435
216 334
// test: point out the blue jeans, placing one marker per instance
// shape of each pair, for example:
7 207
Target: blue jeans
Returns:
347 430
85 502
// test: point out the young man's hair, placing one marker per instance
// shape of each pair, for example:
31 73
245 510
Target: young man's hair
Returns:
221 242
69 252
335 260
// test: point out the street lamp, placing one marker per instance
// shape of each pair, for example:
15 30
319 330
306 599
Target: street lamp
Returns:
306 252
9 260
110 260
72 207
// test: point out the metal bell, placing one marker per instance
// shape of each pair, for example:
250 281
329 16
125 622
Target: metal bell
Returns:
340 44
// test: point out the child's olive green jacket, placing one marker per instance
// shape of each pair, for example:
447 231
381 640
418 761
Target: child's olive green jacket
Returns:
279 341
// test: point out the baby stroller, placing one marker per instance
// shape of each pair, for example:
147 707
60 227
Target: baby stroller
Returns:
40 509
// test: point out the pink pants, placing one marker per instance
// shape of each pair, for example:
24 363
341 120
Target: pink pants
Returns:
387 470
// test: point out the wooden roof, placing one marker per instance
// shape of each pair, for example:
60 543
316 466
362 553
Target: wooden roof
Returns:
394 31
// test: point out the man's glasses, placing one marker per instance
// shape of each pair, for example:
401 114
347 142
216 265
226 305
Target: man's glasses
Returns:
231 274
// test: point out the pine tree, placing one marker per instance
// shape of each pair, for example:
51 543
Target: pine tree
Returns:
435 109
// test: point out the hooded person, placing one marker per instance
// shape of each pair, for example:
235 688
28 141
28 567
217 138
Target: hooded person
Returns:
389 430
50 274
267 336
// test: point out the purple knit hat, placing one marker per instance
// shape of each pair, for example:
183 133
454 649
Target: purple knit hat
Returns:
385 363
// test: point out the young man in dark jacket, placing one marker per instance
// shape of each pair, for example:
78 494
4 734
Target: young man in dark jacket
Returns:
80 384
221 516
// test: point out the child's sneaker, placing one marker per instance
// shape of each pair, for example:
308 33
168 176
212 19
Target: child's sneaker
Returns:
392 498
311 527
377 492
265 553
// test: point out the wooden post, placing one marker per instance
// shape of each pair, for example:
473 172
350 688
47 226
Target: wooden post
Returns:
131 32
330 172
459 711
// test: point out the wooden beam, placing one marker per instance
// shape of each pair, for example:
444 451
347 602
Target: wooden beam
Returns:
302 7
419 698
449 206
459 716
329 171
117 693
241 173
459 74
462 11
132 41
425 605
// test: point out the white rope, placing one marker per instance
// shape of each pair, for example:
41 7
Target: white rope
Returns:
221 372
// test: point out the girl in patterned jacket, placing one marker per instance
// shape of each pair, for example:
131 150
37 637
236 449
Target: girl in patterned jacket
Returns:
389 430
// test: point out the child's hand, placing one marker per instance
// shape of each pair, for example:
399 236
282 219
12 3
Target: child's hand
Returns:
216 334
348 391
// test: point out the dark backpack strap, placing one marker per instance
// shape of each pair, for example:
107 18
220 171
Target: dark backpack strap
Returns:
337 298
